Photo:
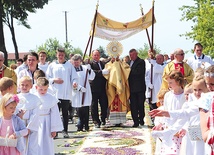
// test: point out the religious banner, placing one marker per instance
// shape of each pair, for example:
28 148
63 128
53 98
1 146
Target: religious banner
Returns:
108 29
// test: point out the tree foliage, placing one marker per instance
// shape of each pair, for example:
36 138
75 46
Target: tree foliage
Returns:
143 52
51 45
102 52
19 10
77 51
202 15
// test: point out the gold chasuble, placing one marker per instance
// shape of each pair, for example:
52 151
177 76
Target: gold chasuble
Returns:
118 90
184 68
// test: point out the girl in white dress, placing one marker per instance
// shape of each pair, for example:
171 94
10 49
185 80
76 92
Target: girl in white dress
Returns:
190 117
28 106
194 145
206 106
173 100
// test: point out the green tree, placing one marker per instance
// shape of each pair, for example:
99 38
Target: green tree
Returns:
202 15
77 51
2 41
19 10
143 52
51 45
102 52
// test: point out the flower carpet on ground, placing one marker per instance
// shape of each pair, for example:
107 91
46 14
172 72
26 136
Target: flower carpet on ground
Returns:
123 140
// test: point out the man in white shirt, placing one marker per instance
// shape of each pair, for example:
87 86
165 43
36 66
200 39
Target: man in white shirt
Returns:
199 59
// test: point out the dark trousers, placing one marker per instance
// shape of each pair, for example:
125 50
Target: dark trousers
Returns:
152 106
71 112
100 97
64 105
83 114
137 100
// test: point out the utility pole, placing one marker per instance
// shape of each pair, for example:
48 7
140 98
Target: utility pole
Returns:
66 28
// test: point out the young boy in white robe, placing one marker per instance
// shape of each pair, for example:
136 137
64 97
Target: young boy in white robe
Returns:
49 118
29 105
82 97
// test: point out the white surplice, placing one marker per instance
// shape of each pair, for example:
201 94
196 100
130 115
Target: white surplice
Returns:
194 62
156 73
77 94
67 73
43 67
49 121
51 90
30 104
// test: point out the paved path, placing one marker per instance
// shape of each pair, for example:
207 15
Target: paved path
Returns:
68 146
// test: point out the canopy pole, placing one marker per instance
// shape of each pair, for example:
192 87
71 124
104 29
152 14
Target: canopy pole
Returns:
153 20
152 47
89 39
147 33
95 18
92 38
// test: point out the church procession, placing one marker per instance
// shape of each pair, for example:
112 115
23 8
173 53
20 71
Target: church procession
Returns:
119 105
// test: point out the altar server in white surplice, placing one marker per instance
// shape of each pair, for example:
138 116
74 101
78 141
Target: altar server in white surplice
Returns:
49 118
82 97
29 107
62 75
43 65
155 72
199 59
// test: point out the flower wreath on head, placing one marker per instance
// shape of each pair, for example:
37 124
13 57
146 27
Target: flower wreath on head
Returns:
14 98
209 75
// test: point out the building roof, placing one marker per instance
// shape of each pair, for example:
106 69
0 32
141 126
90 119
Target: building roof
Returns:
11 56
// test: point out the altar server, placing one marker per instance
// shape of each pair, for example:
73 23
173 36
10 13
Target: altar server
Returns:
81 96
49 118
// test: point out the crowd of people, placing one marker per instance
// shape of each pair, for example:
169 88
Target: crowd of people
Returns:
183 120
39 97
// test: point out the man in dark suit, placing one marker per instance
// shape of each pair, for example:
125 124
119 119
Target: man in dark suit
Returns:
98 88
137 88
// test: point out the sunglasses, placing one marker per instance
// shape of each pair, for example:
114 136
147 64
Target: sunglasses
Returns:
182 54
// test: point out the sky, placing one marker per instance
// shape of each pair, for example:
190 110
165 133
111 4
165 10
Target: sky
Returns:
49 22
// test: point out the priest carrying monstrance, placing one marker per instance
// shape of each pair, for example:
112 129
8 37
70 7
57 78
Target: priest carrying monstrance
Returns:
117 85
